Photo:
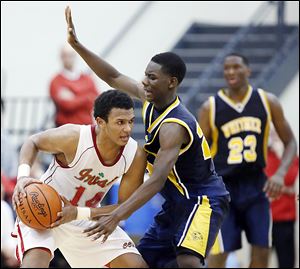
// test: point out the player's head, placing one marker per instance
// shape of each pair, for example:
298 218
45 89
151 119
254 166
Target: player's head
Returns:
114 114
236 70
163 74
68 57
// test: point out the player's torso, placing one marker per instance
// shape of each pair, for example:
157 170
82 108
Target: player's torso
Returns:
87 178
239 133
193 172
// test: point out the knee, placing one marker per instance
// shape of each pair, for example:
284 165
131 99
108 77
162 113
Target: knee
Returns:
36 258
189 261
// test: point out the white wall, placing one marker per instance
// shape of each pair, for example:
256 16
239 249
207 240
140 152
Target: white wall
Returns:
33 32
289 100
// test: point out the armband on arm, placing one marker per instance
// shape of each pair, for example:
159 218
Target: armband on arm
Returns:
23 170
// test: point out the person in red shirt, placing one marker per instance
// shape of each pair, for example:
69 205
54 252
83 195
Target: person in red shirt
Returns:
72 92
283 208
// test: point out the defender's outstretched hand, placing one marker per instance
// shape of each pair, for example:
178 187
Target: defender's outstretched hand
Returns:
68 213
72 38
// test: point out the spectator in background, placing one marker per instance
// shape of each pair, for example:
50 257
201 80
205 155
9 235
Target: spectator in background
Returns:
9 159
8 259
284 208
72 92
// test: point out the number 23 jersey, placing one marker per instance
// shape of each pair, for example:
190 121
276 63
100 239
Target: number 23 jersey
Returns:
240 133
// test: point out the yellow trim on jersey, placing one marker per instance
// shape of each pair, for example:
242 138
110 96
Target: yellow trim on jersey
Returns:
233 104
173 179
165 113
149 168
266 104
145 106
182 123
214 130
266 138
196 236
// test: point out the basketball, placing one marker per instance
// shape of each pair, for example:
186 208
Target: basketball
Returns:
40 206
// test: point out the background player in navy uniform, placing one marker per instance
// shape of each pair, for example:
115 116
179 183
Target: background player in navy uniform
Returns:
236 121
179 162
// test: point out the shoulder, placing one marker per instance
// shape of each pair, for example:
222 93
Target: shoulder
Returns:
177 131
206 104
71 131
57 77
130 148
206 107
271 99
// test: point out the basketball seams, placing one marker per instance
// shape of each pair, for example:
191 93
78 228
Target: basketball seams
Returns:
29 206
49 209
33 201
58 196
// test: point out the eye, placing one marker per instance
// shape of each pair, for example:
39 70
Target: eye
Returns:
152 77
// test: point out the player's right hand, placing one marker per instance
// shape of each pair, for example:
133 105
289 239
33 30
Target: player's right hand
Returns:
20 189
72 38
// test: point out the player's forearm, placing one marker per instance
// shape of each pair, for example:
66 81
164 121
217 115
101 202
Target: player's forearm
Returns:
100 211
28 152
103 69
142 195
288 156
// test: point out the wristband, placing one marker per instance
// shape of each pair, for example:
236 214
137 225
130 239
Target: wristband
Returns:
83 213
23 170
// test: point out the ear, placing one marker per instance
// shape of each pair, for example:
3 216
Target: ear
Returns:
249 71
173 82
100 122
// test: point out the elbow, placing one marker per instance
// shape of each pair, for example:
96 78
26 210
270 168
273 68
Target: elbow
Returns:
32 140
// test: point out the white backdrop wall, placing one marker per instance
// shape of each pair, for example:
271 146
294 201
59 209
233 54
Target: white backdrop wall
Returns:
32 34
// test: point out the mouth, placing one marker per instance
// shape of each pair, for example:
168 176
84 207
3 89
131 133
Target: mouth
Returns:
147 92
232 80
124 138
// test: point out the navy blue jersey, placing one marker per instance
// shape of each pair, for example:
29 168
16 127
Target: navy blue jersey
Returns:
240 133
193 174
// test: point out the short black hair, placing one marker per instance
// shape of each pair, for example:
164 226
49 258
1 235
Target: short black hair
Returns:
110 99
244 58
172 64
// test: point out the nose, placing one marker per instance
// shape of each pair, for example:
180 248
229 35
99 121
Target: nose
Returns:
127 127
231 71
145 81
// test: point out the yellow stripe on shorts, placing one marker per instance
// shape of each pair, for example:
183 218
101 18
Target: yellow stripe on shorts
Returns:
196 236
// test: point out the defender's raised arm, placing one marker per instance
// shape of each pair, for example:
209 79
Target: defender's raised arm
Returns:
102 69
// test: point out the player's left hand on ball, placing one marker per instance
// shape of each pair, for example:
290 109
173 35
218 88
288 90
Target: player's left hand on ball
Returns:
68 213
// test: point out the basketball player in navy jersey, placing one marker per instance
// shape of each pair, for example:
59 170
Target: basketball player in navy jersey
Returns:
179 163
236 121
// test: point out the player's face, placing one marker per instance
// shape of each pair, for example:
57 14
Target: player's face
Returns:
236 72
156 83
119 125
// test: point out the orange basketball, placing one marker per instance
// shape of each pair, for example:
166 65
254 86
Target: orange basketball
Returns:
40 206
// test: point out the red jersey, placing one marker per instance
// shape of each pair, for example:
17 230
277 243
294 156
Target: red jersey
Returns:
284 208
74 99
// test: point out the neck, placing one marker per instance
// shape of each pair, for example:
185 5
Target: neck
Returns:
237 92
108 150
164 104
